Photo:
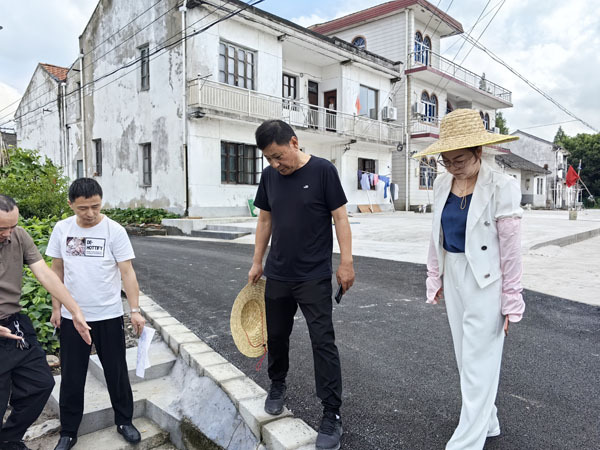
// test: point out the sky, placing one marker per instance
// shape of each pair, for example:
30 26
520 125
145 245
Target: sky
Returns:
553 43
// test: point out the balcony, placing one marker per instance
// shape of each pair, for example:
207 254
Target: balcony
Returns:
242 104
425 128
441 72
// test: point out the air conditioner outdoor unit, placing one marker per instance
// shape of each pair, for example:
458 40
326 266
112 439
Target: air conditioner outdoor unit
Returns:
421 108
496 130
390 113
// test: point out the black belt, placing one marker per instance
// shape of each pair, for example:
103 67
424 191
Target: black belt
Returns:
10 319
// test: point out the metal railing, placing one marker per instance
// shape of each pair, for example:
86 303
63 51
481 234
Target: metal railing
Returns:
428 58
425 124
232 99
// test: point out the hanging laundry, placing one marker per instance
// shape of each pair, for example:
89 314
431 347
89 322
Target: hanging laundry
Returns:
386 180
380 187
364 182
375 179
395 192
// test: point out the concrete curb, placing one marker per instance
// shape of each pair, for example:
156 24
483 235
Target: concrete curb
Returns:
281 432
568 240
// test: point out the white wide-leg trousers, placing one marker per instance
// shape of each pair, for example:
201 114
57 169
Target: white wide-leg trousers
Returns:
476 323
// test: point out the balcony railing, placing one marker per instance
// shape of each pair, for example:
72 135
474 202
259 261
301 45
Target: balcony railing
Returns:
223 97
421 125
425 58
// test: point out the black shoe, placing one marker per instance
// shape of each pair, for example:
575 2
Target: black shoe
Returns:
65 443
13 445
330 432
276 398
129 433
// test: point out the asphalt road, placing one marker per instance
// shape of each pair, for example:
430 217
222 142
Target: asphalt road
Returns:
401 387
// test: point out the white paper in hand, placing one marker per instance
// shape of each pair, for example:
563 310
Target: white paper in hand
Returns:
143 362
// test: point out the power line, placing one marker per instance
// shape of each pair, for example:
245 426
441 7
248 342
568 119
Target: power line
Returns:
550 124
154 52
529 83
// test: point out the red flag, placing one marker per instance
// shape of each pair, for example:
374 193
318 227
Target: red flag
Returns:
357 104
572 177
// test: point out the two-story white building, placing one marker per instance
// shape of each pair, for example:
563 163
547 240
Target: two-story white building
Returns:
550 186
432 86
162 105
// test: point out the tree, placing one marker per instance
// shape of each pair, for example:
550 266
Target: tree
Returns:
501 123
560 137
37 185
585 147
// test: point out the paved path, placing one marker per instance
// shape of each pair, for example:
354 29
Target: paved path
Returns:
400 383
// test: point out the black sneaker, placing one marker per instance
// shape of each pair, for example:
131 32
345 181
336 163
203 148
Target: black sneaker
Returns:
330 432
65 443
276 398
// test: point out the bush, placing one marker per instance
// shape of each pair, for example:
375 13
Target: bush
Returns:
139 215
37 185
35 300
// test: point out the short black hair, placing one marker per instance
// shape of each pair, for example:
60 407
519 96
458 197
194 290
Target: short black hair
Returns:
7 204
84 187
273 131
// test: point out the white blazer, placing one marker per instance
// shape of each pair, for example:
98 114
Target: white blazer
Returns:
496 195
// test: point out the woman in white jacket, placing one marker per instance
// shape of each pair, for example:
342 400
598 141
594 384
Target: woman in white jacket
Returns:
474 262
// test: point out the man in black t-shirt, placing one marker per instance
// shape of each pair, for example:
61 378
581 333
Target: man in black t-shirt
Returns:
297 197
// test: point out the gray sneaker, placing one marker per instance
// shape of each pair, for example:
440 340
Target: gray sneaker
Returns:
330 432
276 398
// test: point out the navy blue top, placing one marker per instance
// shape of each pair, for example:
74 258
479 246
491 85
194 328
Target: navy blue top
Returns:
454 223
301 231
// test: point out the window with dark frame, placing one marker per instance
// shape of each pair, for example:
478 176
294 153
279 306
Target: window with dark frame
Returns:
98 151
360 42
146 165
80 168
368 102
236 66
289 87
367 165
145 67
240 163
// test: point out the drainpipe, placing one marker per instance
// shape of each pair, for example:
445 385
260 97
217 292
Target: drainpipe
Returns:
83 134
406 114
63 123
183 10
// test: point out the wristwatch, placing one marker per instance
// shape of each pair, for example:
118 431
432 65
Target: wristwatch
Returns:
134 310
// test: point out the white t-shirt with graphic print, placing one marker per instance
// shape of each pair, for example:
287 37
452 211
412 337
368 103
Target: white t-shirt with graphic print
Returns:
90 257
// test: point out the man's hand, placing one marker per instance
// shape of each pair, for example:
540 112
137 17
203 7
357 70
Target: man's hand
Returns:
55 318
439 295
6 333
255 273
345 275
138 322
82 327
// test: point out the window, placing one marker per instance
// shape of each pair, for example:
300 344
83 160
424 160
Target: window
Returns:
422 48
360 42
539 186
427 172
80 168
236 66
430 104
366 165
240 163
486 121
145 67
98 151
146 165
289 87
368 102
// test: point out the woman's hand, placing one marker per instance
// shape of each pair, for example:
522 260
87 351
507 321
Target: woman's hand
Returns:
506 326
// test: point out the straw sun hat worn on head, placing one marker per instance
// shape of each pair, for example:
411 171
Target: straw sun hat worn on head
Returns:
249 320
463 128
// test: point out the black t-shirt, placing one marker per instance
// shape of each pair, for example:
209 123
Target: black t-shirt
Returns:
301 230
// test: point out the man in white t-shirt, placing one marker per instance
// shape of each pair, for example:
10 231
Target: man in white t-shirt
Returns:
91 254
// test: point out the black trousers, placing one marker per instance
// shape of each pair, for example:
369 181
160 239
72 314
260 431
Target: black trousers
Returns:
24 377
314 298
109 338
